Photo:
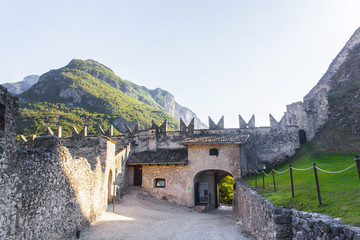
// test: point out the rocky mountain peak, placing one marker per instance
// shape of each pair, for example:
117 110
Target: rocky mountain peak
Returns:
22 86
327 80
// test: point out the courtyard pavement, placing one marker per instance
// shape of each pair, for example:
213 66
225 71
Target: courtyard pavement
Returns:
138 217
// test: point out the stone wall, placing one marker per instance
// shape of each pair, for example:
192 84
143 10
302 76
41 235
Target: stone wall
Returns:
312 114
269 146
38 200
91 148
8 111
265 221
149 140
49 191
121 171
49 194
258 215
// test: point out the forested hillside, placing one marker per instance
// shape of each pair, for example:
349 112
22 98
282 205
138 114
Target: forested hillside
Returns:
86 93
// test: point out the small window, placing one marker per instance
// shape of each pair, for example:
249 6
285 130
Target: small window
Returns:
159 183
214 152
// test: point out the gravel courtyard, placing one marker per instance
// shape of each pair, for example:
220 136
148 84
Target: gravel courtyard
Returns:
139 217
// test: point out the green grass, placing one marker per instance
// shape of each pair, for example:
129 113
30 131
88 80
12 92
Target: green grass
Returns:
340 192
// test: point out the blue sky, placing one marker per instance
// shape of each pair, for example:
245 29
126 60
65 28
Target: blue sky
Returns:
216 57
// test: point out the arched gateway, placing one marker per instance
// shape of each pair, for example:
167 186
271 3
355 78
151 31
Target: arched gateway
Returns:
206 187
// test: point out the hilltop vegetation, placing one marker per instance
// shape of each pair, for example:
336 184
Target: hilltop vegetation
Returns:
86 93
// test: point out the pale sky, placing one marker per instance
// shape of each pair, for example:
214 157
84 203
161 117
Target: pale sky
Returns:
216 57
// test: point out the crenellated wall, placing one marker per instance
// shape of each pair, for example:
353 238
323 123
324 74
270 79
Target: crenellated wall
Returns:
266 146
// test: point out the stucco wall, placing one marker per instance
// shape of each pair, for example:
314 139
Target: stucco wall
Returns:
228 159
177 182
180 178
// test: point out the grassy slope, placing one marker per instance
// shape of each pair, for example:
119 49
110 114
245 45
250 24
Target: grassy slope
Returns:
340 192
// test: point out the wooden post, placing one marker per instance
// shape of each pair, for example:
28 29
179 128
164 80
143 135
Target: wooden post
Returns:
317 184
263 179
274 179
357 159
292 182
114 198
255 179
249 175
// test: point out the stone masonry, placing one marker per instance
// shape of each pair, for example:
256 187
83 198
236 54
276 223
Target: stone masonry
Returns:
53 188
265 221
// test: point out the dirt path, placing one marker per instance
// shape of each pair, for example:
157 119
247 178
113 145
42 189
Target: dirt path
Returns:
147 218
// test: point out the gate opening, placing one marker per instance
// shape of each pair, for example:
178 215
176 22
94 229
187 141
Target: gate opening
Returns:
212 188
138 175
302 136
226 191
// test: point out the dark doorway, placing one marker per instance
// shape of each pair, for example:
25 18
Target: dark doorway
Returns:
196 192
138 175
2 116
302 136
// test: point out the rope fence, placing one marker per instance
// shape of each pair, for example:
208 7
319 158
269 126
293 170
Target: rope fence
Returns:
314 167
336 171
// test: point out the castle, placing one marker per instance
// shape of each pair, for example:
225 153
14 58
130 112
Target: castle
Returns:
53 187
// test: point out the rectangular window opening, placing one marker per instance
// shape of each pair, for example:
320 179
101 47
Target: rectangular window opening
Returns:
214 152
159 183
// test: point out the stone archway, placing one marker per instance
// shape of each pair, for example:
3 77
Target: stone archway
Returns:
109 186
206 189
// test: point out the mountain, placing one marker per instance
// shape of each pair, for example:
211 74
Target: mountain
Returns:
158 98
330 112
166 102
342 131
22 86
89 93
